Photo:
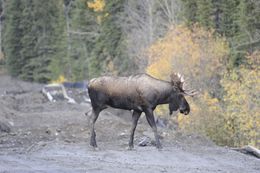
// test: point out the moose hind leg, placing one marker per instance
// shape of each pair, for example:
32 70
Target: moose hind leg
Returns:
135 118
94 117
150 118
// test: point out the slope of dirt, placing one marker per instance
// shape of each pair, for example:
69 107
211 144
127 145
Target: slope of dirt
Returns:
54 137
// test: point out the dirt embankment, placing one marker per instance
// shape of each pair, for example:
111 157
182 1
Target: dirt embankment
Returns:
39 136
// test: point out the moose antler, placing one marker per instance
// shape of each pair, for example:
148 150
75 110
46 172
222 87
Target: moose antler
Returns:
178 80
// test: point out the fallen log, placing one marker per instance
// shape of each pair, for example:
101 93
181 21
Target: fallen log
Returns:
249 150
53 89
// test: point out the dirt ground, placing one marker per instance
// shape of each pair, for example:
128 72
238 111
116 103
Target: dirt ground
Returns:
39 136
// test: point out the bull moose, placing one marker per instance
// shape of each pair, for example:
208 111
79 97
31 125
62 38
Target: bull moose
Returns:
139 93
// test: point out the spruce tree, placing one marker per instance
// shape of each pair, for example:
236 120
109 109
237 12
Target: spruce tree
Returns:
84 31
248 38
189 13
49 29
12 36
205 13
228 20
34 36
109 54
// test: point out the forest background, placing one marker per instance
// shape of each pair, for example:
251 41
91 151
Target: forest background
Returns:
213 43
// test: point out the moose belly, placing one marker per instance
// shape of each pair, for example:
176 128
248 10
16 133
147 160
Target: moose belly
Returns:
123 103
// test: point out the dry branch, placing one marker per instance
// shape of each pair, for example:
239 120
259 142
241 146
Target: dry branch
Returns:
249 150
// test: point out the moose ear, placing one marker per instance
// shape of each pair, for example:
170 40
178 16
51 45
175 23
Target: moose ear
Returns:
173 107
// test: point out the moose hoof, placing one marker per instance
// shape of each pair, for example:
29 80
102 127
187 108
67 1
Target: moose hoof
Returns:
95 148
93 145
159 147
130 148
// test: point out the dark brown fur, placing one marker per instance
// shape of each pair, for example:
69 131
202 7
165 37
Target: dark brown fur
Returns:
140 93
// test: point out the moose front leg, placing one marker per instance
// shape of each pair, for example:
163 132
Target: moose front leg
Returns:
135 118
150 118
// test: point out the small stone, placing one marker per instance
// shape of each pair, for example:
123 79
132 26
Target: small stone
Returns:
48 131
145 141
4 127
58 130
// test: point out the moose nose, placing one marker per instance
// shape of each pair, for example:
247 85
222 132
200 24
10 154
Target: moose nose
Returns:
185 112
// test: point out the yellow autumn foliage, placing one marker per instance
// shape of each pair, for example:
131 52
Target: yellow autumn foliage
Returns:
60 79
206 118
195 52
97 5
242 112
198 54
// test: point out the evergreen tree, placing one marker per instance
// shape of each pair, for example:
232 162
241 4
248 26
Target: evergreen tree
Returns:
228 20
28 40
12 36
33 38
190 8
237 20
217 14
109 54
205 13
50 46
84 31
249 25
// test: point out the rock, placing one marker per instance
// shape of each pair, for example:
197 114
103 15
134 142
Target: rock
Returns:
4 127
164 134
58 130
48 131
161 122
123 134
52 131
145 141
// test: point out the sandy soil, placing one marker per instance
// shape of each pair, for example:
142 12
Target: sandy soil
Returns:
39 136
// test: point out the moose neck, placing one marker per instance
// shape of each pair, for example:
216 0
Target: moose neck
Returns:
166 90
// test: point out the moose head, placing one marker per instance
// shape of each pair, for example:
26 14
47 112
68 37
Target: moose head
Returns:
177 100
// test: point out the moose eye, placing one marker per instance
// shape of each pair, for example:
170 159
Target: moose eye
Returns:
180 96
